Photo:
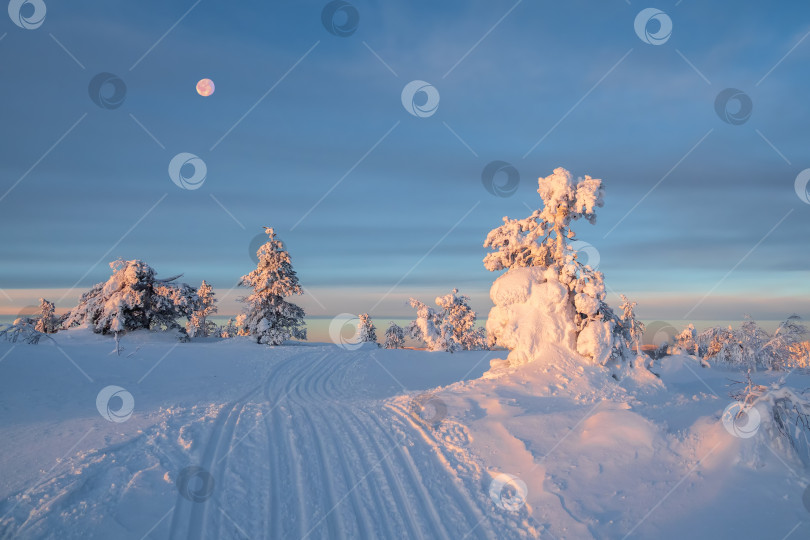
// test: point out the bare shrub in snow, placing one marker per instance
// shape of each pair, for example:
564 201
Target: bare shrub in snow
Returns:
784 414
394 336
133 298
198 324
547 296
268 317
31 329
23 329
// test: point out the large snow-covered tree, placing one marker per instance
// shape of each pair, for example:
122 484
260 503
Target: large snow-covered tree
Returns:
548 296
133 298
198 324
268 317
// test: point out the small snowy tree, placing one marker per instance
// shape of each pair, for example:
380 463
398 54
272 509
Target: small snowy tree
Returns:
241 325
366 331
451 327
724 347
47 322
133 298
781 348
198 324
268 317
228 330
430 327
687 341
460 318
634 327
394 337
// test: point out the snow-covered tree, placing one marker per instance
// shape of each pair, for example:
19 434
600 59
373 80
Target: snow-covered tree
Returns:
241 325
634 327
752 347
228 330
268 317
366 331
548 296
47 322
723 347
800 355
198 324
687 341
451 327
394 336
430 328
133 298
459 316
541 239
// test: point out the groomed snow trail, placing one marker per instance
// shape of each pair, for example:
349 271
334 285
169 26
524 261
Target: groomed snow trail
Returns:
302 456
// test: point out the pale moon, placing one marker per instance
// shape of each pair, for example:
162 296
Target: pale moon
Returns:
205 87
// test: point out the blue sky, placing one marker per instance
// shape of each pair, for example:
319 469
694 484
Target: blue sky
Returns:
412 211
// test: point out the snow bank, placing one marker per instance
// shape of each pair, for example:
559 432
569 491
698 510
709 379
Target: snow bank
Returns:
531 313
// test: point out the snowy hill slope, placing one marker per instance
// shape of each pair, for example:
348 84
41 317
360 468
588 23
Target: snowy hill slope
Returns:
312 441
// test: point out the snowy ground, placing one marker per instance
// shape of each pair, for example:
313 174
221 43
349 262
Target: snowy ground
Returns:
313 441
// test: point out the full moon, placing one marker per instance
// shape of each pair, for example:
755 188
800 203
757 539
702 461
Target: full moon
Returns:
205 87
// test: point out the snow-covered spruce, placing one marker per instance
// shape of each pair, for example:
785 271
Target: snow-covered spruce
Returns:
133 298
451 328
366 331
547 297
394 337
47 322
268 317
198 324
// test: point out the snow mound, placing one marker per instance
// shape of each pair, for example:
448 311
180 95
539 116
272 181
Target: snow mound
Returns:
531 313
